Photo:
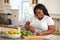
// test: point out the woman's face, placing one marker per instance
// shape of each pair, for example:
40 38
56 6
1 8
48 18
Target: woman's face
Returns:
39 13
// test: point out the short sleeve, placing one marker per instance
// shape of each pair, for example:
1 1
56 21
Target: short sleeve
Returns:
50 21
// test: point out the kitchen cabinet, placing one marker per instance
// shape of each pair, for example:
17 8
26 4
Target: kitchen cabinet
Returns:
53 6
5 6
6 1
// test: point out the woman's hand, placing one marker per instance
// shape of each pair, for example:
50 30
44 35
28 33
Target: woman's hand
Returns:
31 29
27 25
38 33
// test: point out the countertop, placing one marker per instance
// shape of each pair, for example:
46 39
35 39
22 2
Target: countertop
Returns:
3 28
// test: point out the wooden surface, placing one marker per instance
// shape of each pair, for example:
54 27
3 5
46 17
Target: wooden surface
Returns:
5 26
13 39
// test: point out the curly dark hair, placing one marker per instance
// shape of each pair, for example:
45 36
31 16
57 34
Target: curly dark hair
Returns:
41 7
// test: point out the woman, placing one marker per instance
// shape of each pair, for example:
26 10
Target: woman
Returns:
41 23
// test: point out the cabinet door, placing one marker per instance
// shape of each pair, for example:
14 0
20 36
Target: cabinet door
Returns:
53 6
6 1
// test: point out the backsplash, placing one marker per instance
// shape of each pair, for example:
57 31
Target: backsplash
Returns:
57 23
3 18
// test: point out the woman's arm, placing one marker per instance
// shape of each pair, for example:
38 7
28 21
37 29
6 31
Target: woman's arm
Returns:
50 30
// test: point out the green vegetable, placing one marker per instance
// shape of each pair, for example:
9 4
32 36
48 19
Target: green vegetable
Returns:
26 33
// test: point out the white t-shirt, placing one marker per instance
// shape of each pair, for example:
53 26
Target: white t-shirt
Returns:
41 25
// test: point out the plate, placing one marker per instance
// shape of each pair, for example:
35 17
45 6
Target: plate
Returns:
11 36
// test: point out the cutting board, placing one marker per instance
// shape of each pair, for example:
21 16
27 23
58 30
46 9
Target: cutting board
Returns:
34 38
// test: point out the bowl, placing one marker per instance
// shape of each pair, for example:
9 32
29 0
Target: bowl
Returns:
11 36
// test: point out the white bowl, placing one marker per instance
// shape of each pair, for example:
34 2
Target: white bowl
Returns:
11 36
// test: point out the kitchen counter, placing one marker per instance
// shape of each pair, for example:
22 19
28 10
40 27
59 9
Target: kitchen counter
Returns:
13 39
8 39
7 26
2 29
55 37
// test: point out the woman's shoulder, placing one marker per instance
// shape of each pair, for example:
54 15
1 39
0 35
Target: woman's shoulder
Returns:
48 17
49 20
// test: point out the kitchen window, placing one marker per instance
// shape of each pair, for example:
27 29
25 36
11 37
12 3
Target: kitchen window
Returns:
15 4
25 8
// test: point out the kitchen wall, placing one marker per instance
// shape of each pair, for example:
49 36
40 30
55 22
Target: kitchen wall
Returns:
53 6
14 16
3 16
57 23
